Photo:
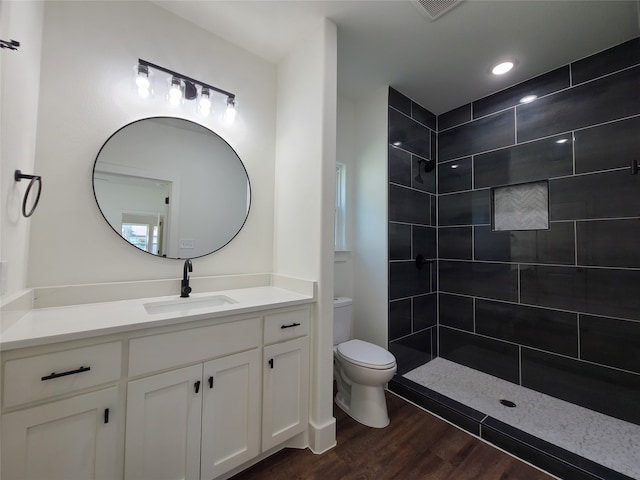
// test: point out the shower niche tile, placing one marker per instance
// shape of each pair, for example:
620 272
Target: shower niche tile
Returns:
520 207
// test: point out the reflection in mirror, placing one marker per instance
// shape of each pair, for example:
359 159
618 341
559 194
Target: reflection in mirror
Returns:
171 187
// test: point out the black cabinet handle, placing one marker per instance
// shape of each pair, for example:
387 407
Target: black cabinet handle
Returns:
271 362
64 374
106 415
211 382
290 326
196 386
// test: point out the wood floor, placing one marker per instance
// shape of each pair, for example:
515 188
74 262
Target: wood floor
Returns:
416 445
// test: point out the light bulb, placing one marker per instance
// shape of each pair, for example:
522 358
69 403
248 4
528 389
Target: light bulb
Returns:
175 92
142 81
230 113
205 102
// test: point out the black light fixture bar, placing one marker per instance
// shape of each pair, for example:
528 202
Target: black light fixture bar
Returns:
185 78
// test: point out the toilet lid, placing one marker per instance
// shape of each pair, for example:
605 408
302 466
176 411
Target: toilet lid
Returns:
366 354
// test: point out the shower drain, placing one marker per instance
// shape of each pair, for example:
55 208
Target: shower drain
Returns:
507 403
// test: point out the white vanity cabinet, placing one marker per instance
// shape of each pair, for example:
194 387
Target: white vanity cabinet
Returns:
51 434
285 404
195 400
199 421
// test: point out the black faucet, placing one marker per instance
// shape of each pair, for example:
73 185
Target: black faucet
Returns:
185 289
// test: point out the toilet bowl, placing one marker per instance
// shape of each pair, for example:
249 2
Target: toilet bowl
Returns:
361 369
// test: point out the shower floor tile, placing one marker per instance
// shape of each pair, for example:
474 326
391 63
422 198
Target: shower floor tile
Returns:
605 440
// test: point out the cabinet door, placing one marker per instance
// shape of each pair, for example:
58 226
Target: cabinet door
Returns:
285 408
230 412
163 426
68 439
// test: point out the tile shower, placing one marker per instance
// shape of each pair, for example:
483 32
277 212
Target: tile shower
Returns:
554 310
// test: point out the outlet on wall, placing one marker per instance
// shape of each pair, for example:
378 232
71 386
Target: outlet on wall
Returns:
187 243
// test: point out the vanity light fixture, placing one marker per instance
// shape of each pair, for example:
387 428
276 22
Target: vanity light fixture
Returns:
181 88
502 68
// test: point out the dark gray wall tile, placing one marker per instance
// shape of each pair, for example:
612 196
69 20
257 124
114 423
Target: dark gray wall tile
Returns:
611 60
424 242
601 195
411 351
610 341
480 279
613 145
425 311
408 134
399 318
399 166
399 241
409 206
494 357
405 280
602 389
542 85
555 245
609 98
455 242
541 328
455 176
399 101
423 115
539 160
466 208
599 291
456 311
488 133
454 117
609 243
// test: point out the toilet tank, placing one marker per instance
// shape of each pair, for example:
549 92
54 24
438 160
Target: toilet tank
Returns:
341 320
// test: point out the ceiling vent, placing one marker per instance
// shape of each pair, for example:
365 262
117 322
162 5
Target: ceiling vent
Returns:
434 9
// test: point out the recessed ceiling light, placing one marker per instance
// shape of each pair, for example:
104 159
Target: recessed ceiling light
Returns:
528 99
397 144
454 166
562 140
502 68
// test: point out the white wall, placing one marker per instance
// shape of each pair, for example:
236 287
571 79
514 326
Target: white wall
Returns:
19 84
370 240
305 192
346 154
88 56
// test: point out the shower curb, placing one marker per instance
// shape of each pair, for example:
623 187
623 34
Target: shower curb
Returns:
543 454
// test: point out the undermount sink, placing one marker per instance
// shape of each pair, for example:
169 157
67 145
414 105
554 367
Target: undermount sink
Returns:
186 305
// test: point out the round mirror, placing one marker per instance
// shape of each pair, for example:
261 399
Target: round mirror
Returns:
171 187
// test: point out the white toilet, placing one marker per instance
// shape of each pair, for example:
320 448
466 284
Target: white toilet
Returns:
360 369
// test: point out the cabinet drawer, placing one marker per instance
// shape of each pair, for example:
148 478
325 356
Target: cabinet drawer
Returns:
170 350
42 376
283 326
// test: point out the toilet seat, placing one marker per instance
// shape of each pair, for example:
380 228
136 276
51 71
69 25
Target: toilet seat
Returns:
366 354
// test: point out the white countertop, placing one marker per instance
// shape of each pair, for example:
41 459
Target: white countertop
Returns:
56 324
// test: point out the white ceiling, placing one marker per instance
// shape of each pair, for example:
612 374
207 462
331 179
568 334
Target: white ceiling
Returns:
441 64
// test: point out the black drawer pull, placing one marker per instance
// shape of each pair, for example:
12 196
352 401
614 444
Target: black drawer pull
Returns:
211 382
64 374
106 415
270 362
196 386
290 326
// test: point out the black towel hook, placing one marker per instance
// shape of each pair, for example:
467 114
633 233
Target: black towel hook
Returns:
18 175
